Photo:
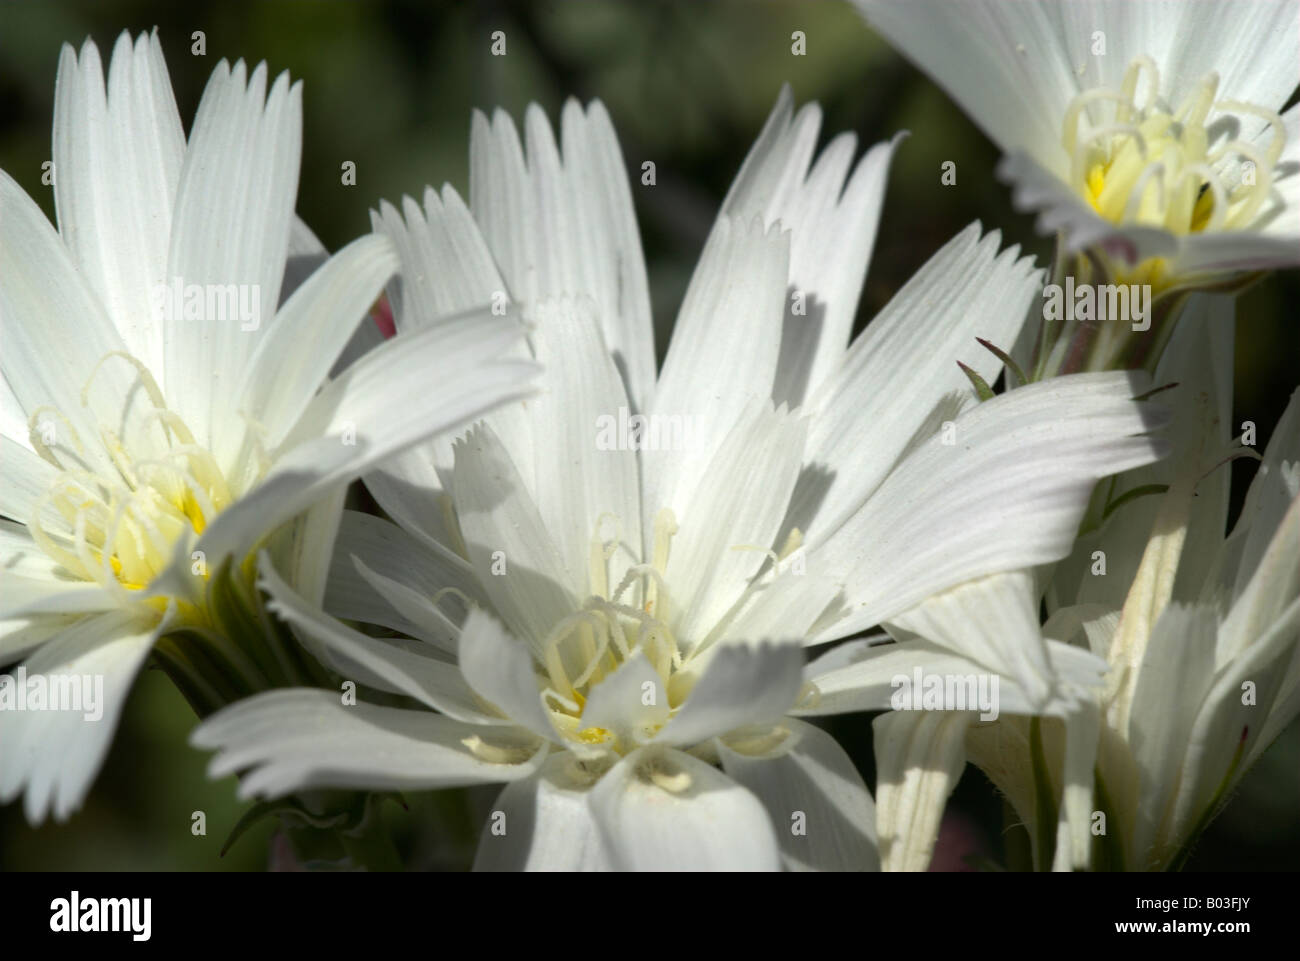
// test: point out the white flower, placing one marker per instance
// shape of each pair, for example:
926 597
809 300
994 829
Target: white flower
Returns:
1201 632
1198 636
651 587
1148 130
148 438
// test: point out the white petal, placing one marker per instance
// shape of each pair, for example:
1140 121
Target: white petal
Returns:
118 159
786 606
904 366
566 226
21 556
1243 250
374 661
1273 586
419 567
610 242
296 740
22 635
282 377
726 528
501 669
809 774
733 309
1226 728
55 330
1174 678
51 592
1007 494
1013 67
618 702
54 755
367 415
741 685
303 549
1275 485
474 374
306 255
447 267
26 477
1004 63
1036 189
410 608
919 759
544 825
408 487
503 530
867 675
579 478
668 811
1074 821
234 209
992 620
1198 362
832 217
13 420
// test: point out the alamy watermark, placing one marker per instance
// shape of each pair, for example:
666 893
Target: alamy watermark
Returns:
133 916
653 432
181 301
923 691
79 693
1128 302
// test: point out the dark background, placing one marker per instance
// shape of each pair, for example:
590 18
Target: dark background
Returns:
390 86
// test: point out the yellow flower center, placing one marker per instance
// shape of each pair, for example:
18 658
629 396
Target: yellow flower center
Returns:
118 526
1157 167
610 628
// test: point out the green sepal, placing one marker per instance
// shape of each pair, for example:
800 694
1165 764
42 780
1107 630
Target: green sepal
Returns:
982 389
1142 490
348 832
1006 359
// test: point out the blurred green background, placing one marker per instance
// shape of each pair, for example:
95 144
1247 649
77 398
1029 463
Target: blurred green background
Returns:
390 86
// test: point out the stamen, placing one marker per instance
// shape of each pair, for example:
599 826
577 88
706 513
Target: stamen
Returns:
640 570
123 522
1129 86
593 661
1081 152
495 753
1151 166
146 378
1196 107
38 443
793 541
453 592
1156 172
1252 195
1070 131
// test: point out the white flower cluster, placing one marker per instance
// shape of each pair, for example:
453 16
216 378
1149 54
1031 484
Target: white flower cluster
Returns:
598 572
